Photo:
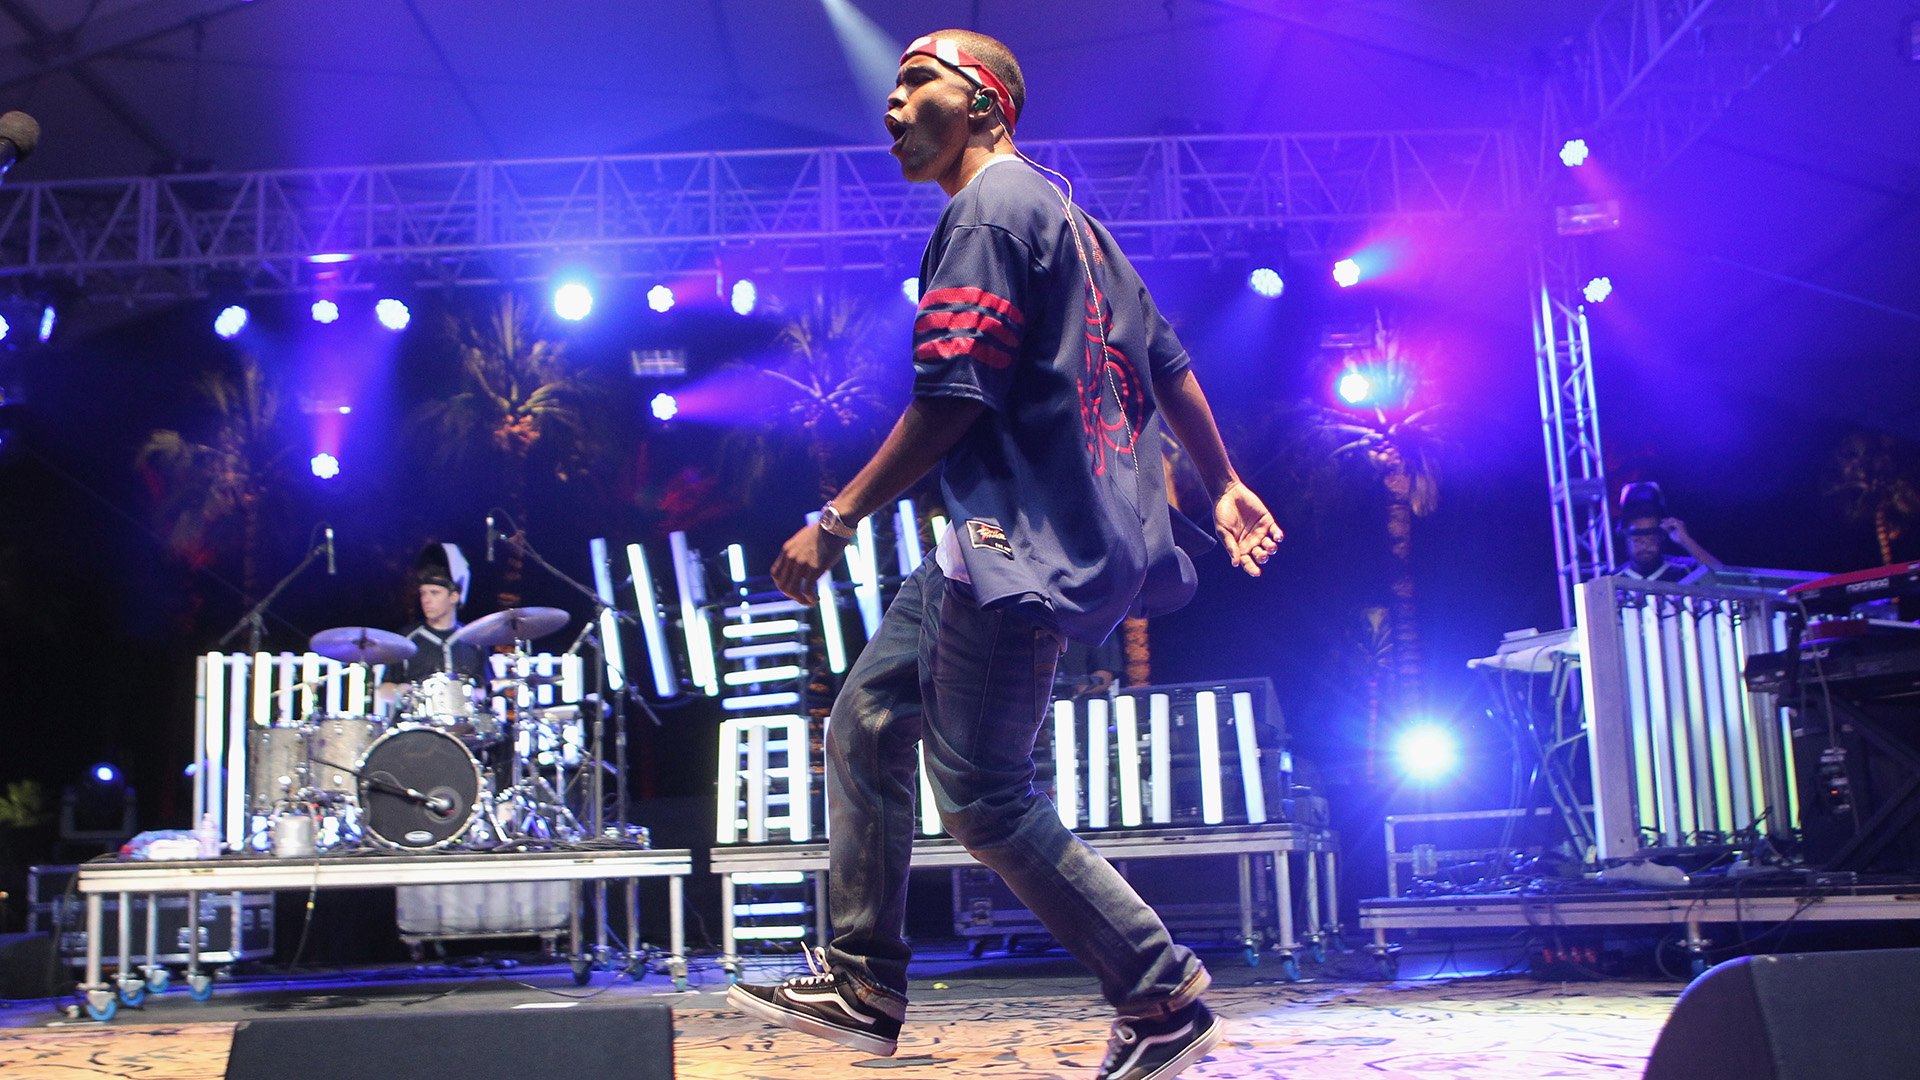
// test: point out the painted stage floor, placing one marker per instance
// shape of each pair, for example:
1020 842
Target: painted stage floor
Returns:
1008 1021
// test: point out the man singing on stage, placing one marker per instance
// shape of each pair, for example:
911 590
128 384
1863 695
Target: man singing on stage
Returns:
1041 367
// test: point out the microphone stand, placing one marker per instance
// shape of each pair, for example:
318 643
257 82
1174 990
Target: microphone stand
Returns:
255 620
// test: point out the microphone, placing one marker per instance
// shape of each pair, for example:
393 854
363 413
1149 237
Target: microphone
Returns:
330 566
438 804
492 535
19 134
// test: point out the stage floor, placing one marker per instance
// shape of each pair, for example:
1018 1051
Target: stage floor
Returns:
1011 1018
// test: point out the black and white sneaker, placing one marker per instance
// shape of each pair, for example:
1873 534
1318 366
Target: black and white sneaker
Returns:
1160 1049
825 1003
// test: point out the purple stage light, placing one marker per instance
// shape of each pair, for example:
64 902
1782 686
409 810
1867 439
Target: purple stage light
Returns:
1266 281
228 324
1346 273
105 773
47 318
1597 290
325 311
4 328
573 301
330 257
392 314
745 296
660 298
1354 387
1427 752
665 407
325 466
1574 153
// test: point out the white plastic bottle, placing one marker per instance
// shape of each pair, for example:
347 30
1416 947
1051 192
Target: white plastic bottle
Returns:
209 836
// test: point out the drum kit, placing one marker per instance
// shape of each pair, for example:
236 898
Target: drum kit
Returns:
453 764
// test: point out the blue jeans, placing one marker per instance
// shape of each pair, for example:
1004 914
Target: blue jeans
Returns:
974 686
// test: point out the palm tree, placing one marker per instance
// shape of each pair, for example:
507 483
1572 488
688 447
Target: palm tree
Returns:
201 488
1402 450
1872 484
523 405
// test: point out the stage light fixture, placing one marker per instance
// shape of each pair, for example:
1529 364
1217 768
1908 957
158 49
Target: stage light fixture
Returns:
665 407
1573 153
910 288
573 301
325 466
392 314
1346 273
330 257
228 324
745 295
325 311
1427 752
105 773
660 298
1354 387
1597 290
1266 281
4 328
47 318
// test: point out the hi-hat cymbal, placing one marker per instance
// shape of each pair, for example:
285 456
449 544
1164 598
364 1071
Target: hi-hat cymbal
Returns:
362 645
509 626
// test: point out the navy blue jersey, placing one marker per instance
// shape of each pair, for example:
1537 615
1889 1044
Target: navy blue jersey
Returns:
1057 489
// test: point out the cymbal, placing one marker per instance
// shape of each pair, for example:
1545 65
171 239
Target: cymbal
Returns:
511 625
362 645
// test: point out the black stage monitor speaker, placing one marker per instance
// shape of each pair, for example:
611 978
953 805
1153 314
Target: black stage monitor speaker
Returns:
1797 1016
604 1041
27 968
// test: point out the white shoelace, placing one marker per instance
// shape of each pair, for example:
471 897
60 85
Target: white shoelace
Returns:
822 975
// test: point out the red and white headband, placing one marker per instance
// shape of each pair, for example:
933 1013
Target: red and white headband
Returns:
949 52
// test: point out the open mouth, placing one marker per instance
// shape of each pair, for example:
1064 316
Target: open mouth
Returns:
897 129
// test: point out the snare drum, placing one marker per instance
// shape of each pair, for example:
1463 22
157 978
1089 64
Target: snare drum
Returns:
276 767
437 766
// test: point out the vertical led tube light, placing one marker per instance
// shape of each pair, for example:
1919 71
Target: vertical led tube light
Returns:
830 630
1066 765
939 523
612 650
246 674
1207 719
652 629
727 784
693 617
929 810
906 536
1252 784
1097 800
799 781
1160 757
213 702
865 562
1126 713
757 781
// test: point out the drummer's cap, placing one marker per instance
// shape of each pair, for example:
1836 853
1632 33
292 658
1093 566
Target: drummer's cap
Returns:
445 566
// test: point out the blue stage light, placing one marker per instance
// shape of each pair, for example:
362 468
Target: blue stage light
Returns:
1597 290
325 466
665 407
744 297
573 301
392 314
47 318
1427 752
910 288
1354 387
1266 281
4 328
325 311
1573 153
330 257
228 324
1346 273
105 773
660 298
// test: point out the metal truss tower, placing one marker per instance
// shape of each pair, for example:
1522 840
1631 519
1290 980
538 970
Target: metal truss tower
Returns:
1640 85
803 210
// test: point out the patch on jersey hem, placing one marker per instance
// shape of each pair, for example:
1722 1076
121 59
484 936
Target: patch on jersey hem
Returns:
985 534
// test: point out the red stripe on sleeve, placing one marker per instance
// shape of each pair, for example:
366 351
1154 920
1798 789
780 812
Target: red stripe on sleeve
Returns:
979 348
967 320
970 295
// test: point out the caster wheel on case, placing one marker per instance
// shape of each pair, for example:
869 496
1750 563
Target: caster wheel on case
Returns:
158 978
132 992
582 971
200 987
1290 968
1697 966
1388 965
102 1004
1252 954
1317 953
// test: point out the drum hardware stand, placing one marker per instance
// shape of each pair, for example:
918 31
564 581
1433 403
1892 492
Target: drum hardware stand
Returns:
517 539
255 620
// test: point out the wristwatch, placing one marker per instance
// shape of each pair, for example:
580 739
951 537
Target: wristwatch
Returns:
831 521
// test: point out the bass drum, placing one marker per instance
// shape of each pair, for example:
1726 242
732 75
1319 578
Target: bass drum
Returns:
432 763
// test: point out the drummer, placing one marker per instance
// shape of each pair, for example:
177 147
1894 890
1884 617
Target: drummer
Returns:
441 575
